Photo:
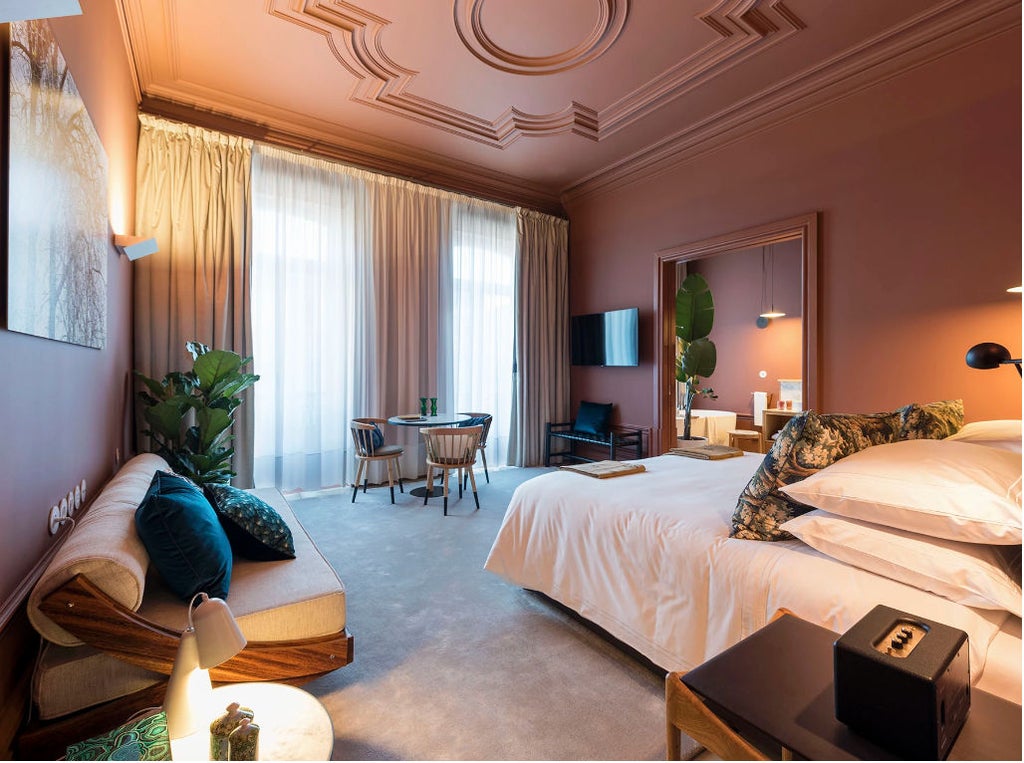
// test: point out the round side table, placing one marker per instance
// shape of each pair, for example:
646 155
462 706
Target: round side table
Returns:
294 725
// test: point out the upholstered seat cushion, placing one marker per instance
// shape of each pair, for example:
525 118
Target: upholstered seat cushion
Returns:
272 601
388 450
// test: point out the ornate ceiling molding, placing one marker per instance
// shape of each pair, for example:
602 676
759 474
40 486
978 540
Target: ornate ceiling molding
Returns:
354 35
469 23
931 35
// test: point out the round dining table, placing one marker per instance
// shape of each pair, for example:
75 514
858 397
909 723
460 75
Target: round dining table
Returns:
437 420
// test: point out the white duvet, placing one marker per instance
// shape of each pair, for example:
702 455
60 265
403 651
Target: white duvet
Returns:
647 557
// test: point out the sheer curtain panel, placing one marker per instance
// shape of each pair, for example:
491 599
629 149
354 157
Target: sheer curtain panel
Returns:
192 195
313 329
483 304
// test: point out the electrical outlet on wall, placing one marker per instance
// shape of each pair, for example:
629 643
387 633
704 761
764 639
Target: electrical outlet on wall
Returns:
54 519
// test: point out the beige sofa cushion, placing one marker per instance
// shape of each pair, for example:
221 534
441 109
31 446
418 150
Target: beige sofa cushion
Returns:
272 601
104 546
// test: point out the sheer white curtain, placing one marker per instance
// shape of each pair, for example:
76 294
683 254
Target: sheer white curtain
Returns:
369 292
312 342
483 302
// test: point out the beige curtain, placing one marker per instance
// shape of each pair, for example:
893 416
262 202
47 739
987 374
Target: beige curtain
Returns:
541 391
193 196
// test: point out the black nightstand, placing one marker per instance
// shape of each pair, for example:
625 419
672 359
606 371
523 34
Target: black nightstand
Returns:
771 694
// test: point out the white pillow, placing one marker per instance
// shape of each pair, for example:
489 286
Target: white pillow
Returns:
998 433
971 574
953 490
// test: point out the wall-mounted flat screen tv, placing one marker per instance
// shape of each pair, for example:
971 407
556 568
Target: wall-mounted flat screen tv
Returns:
606 339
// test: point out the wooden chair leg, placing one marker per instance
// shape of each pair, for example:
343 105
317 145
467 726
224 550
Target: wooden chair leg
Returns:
429 488
398 471
391 479
460 477
472 479
483 457
444 478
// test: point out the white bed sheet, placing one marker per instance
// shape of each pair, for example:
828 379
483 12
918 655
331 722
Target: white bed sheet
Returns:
647 557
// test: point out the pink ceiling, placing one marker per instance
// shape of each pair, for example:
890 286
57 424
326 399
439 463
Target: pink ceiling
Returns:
524 100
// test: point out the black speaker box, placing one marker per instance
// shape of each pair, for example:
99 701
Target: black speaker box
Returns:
904 682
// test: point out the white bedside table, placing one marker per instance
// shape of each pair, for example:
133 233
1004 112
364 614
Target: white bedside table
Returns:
294 725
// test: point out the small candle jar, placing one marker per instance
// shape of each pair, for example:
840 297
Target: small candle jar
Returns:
244 741
222 727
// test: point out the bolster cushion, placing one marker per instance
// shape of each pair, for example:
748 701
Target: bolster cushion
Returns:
104 547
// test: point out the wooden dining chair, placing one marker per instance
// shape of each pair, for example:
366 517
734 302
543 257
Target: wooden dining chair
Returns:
370 447
451 449
484 420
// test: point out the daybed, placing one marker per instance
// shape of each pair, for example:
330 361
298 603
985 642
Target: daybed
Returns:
648 557
111 626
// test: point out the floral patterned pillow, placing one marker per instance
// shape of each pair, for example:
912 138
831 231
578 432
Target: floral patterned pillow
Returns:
255 530
932 421
808 443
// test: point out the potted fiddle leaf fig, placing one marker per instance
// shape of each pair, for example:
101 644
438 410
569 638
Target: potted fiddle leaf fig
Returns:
695 353
189 413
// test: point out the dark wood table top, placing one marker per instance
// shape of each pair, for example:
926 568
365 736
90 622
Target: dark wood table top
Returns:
775 687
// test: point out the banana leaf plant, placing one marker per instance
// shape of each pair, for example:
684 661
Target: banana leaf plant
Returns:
189 413
696 355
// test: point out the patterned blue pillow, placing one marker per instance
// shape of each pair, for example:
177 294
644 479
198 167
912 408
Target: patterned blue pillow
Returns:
255 529
183 538
474 421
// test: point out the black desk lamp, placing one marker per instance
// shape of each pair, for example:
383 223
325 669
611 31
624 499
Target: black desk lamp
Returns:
990 355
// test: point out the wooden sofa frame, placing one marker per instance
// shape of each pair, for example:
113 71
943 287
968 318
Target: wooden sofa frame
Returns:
84 610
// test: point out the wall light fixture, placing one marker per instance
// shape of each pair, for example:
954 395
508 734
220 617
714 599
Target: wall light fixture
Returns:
134 247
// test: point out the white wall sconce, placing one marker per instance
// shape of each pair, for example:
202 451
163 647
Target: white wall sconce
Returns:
134 247
26 10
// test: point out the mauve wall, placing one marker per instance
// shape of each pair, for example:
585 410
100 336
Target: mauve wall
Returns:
62 408
743 350
918 184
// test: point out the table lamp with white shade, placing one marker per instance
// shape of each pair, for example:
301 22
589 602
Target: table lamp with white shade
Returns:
211 638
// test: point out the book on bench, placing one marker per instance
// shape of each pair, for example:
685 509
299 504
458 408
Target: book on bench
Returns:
706 451
604 469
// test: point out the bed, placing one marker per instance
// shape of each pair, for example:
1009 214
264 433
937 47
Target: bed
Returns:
648 558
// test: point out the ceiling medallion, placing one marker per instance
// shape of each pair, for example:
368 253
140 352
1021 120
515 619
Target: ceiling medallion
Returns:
611 18
743 28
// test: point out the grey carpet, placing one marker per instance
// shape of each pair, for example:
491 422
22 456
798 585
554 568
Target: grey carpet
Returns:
452 662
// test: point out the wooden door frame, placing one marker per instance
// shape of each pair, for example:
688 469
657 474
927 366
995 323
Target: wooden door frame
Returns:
805 229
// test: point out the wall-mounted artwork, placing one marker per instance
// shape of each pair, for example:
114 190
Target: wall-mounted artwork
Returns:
58 228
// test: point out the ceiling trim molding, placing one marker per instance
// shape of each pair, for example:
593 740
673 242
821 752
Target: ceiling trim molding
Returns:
934 34
469 23
744 27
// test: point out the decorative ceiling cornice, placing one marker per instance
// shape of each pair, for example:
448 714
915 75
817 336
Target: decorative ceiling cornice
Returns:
933 34
469 23
354 35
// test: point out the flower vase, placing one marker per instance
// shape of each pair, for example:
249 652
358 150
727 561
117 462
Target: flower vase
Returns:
433 406
423 406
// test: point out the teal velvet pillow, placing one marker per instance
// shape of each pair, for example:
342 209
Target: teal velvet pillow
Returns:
183 537
254 528
931 421
808 443
593 418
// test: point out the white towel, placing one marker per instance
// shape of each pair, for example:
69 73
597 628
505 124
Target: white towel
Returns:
760 403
